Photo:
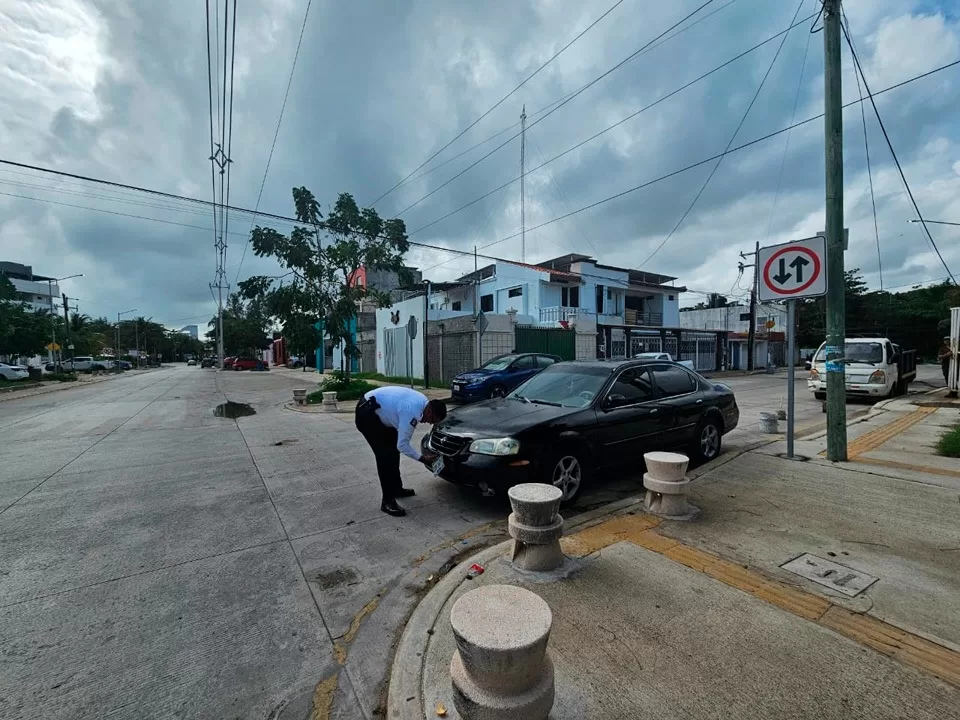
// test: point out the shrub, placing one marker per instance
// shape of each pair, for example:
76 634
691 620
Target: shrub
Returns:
337 382
61 376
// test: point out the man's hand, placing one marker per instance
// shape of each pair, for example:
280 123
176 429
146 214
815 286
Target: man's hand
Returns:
428 459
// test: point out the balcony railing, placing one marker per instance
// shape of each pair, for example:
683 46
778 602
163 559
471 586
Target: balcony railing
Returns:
639 317
560 314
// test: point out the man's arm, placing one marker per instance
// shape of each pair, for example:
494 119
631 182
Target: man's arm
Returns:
408 423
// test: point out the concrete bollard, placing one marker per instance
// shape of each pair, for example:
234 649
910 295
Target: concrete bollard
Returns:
501 669
300 397
666 484
330 401
535 526
768 423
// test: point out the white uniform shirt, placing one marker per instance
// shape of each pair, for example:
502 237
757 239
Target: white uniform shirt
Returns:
400 408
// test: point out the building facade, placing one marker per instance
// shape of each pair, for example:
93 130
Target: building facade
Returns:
37 292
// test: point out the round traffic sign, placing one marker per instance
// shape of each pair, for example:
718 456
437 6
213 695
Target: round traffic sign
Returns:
794 269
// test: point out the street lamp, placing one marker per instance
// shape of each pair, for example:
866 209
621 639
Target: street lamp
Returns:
116 355
53 315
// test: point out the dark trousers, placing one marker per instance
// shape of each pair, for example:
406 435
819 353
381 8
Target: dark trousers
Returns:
383 441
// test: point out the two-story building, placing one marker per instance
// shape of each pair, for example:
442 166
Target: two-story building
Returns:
37 292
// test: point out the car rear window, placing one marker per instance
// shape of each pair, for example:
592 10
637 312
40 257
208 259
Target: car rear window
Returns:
673 380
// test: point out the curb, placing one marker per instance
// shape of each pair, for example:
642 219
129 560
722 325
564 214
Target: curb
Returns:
404 697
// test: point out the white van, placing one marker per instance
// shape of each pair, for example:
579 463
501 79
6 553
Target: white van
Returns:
873 367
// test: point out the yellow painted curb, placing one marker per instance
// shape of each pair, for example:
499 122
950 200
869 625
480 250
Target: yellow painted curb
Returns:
640 529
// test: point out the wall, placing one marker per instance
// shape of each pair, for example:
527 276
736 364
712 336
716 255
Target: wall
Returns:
728 318
407 308
593 276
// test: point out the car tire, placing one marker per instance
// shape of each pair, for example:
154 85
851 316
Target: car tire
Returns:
820 395
235 367
566 470
707 442
498 391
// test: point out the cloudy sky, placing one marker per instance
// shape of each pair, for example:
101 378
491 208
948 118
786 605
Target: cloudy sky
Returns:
118 90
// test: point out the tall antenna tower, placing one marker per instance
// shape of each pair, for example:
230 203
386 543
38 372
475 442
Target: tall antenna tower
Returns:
523 189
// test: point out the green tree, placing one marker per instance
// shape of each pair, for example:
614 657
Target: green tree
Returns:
244 326
322 275
23 332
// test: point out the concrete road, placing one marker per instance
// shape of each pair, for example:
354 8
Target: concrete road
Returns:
159 561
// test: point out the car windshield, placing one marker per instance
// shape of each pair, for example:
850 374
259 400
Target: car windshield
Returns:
500 363
566 385
861 352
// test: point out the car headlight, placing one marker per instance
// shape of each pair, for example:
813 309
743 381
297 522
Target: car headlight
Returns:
814 375
879 377
495 446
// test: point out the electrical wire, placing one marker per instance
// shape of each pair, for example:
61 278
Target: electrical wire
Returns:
615 125
733 137
896 160
273 145
545 108
553 110
501 100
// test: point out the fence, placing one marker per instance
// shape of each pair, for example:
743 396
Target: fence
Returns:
552 341
705 348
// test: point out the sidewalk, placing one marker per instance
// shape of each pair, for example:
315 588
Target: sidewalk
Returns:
681 619
49 386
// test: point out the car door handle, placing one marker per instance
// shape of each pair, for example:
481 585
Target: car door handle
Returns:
700 401
654 411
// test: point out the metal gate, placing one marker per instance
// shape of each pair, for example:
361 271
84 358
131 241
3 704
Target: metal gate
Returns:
701 348
550 341
645 344
395 351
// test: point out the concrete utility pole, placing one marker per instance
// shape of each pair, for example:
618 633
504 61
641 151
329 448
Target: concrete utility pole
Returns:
752 332
836 330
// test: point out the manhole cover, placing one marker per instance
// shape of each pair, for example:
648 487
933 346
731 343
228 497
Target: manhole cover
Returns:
830 574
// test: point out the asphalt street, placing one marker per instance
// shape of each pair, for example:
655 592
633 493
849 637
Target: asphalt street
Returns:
159 561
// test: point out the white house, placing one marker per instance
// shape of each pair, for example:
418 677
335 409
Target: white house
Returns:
36 292
771 328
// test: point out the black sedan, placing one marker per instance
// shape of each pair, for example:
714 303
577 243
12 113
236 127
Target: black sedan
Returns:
574 419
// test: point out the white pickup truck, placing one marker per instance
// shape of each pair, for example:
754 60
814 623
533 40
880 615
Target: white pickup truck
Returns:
664 356
873 367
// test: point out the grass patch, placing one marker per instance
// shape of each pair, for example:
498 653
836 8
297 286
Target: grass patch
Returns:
355 389
389 379
61 376
949 443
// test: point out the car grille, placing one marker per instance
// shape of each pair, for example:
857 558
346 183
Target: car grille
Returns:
447 445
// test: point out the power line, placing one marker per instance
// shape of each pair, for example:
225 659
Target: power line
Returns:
276 134
727 152
501 100
617 124
544 109
886 137
553 110
733 137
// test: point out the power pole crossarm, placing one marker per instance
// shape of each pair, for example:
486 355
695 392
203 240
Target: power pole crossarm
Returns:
833 135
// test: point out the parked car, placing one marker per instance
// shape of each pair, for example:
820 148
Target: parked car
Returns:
248 363
873 367
499 376
86 362
13 372
664 356
228 362
191 362
575 419
208 362
295 362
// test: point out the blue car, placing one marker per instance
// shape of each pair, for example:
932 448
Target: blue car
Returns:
499 376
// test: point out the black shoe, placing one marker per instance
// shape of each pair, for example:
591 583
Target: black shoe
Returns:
406 492
390 507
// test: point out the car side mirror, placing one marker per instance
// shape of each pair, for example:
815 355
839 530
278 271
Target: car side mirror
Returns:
612 401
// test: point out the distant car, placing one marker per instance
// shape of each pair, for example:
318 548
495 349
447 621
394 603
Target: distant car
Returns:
13 372
499 376
294 362
208 362
124 365
191 361
247 363
56 367
575 420
228 362
664 356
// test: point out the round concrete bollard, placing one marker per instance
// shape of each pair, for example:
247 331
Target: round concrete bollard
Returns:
666 484
329 401
535 526
501 669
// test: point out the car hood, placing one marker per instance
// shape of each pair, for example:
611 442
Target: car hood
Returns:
473 375
501 417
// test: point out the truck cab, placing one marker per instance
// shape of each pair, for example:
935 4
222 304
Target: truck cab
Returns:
873 367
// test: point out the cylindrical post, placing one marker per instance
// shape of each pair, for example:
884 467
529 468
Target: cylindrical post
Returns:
791 371
836 330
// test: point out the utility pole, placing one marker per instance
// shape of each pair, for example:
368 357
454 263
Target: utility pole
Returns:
523 186
752 332
836 330
426 344
476 304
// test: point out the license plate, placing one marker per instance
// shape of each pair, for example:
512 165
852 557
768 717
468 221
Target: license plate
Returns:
438 465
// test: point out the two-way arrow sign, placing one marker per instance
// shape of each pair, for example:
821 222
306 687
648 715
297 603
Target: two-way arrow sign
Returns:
793 270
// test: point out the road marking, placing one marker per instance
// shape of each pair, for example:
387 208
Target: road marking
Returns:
878 436
641 530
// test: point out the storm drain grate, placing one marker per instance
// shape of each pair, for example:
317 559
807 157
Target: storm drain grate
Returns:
830 574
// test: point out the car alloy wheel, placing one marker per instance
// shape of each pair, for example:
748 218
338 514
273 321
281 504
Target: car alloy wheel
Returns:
709 441
567 475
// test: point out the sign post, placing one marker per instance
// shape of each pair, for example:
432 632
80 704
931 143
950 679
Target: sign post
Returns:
411 336
788 272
